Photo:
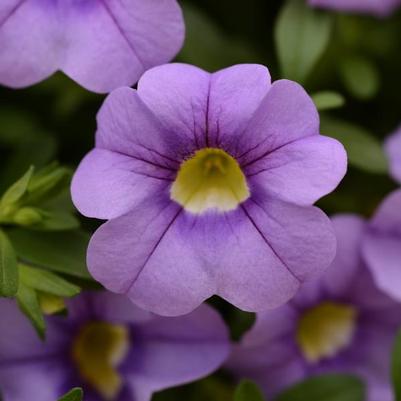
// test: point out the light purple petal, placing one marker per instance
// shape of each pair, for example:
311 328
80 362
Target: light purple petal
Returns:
108 184
27 54
286 114
380 8
147 254
179 350
111 43
393 149
302 171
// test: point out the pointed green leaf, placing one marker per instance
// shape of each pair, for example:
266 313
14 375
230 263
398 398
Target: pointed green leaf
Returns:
396 367
63 252
45 281
302 35
28 302
335 387
8 267
17 190
248 391
76 394
328 100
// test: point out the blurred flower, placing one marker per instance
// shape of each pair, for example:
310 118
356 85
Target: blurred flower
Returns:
382 245
381 8
339 323
208 180
101 44
110 348
393 149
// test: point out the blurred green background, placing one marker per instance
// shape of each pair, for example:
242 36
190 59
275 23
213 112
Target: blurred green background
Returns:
360 60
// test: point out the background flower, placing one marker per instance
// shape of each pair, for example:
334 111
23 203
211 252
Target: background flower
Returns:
101 44
147 353
376 7
340 323
393 149
169 253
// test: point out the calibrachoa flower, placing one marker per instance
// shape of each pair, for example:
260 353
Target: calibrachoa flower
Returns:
339 323
208 180
393 149
379 8
382 245
113 350
101 44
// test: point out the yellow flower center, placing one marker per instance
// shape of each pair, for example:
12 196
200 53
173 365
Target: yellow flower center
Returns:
211 179
325 330
97 351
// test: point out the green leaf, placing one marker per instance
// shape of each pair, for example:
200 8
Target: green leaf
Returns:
8 267
76 394
28 302
327 100
17 190
360 76
364 150
396 367
335 387
56 221
63 252
302 34
45 281
248 391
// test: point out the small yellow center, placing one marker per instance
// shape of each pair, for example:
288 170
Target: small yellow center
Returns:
97 351
211 179
325 330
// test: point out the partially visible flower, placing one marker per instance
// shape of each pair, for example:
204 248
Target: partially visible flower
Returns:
382 245
209 181
380 8
113 350
101 44
393 149
339 323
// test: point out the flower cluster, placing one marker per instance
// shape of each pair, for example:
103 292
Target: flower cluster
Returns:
207 185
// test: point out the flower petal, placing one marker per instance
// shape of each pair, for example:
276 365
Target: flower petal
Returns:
109 184
112 43
302 171
148 255
175 351
393 148
274 247
286 114
28 42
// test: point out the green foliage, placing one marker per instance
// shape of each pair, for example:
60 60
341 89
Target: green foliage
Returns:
364 150
326 388
302 35
396 367
76 394
248 391
8 267
327 100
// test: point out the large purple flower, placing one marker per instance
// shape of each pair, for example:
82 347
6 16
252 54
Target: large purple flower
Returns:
113 350
381 8
338 323
382 245
208 180
101 44
393 149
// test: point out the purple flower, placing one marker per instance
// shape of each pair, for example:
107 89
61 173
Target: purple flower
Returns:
382 245
101 44
380 8
208 180
339 323
113 350
393 149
